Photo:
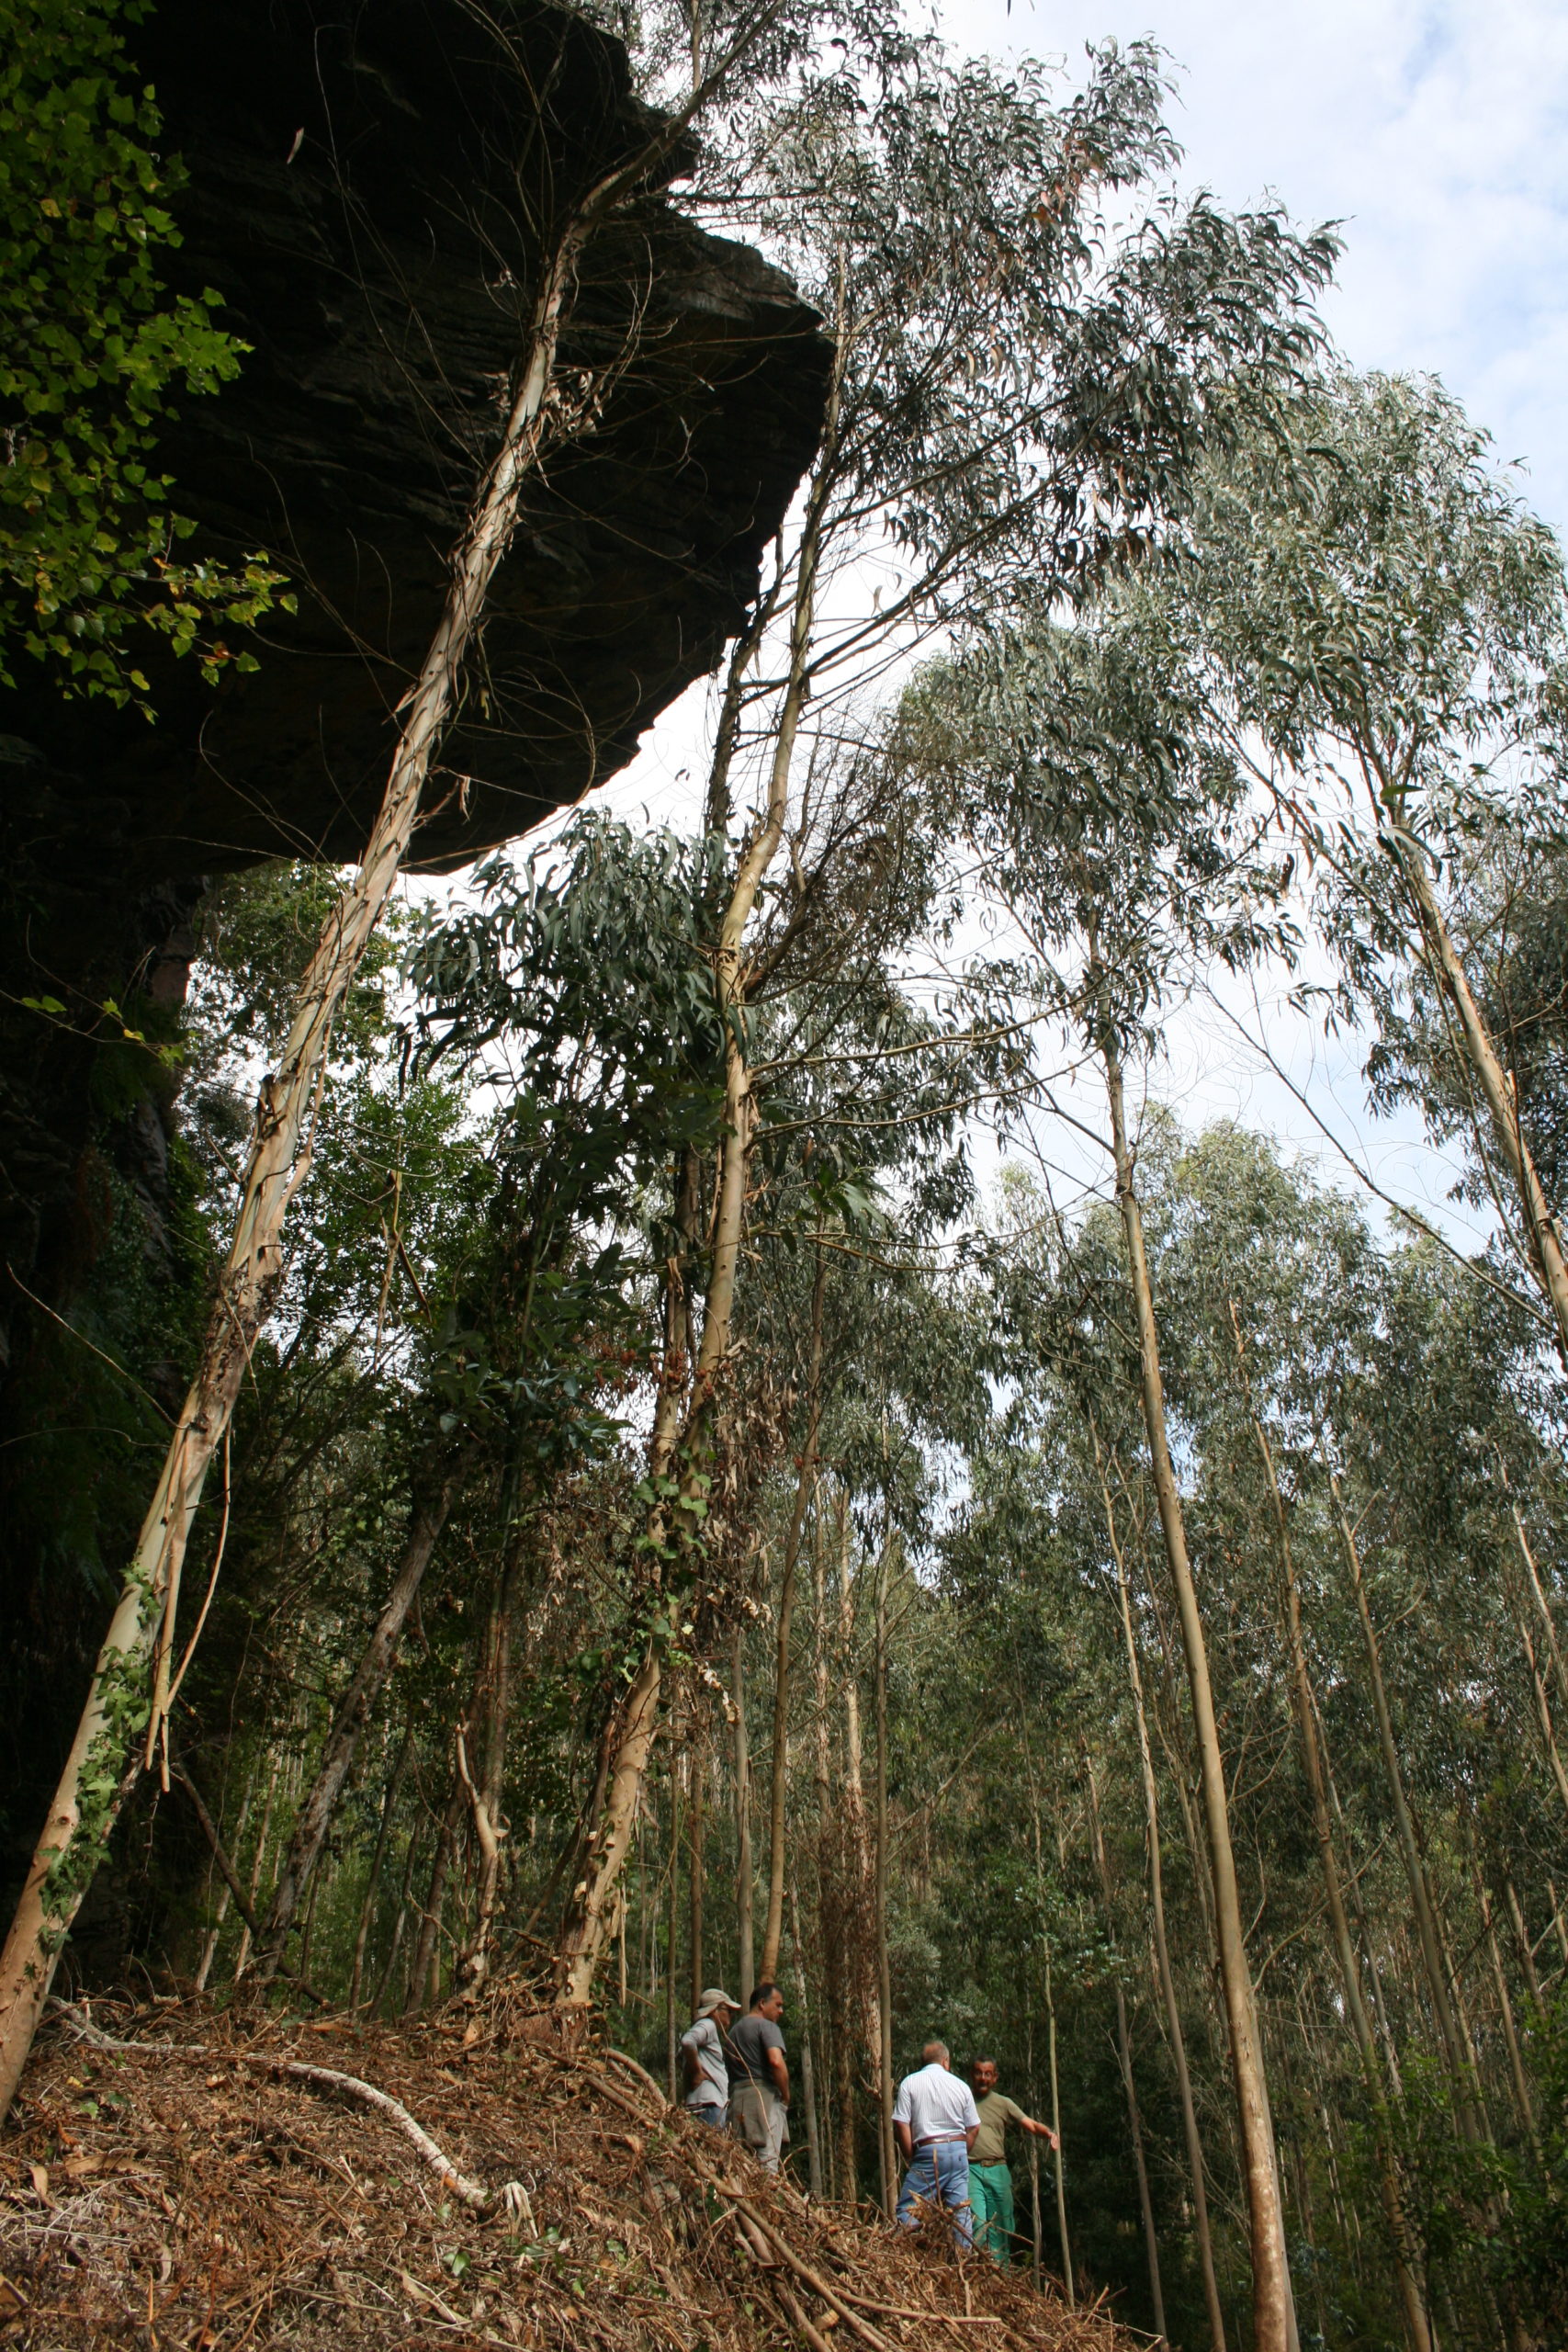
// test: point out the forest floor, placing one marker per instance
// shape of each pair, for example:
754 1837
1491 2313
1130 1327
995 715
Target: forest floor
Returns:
190 2192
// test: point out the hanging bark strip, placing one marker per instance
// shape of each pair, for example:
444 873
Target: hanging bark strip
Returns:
1273 2308
95 1781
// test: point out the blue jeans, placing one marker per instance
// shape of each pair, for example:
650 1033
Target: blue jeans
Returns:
939 2176
708 2111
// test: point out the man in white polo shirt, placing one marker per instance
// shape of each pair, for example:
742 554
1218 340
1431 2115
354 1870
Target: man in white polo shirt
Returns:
935 2119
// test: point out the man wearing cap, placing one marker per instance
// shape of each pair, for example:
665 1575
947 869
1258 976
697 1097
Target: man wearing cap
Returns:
704 2070
758 2078
991 2180
935 2122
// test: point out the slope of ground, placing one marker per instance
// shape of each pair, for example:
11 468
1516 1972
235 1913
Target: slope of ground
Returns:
188 2190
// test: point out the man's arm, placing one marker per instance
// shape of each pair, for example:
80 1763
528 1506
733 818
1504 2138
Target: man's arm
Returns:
902 2133
780 2074
970 2137
1040 2131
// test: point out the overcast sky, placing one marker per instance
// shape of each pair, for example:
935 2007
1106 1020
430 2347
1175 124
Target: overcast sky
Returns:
1436 135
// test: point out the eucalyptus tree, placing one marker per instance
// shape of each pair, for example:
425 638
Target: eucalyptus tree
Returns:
1385 624
725 55
1114 830
1028 341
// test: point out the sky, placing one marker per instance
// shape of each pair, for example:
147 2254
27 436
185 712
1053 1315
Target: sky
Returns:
1436 136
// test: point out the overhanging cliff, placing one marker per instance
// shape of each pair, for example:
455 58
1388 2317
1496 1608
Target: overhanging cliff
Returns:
369 185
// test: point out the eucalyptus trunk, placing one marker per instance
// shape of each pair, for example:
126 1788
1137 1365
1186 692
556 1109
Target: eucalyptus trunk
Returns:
1272 2314
807 2058
487 1794
1124 2064
424 1973
773 1929
1428 1939
694 1828
886 2144
122 1712
1058 2170
226 1894
1543 1241
377 1858
242 1958
746 1953
1543 1708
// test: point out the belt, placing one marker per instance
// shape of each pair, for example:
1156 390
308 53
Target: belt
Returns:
942 2139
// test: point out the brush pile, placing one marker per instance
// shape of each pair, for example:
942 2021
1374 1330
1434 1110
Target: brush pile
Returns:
176 2177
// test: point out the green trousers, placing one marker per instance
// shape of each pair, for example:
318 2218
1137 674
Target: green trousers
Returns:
990 2194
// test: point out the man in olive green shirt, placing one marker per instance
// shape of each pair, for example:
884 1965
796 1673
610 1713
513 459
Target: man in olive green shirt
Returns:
990 2182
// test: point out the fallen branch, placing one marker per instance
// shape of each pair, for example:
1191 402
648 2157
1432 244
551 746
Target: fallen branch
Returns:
642 2075
612 2091
471 2192
798 2319
752 2238
908 2311
802 2270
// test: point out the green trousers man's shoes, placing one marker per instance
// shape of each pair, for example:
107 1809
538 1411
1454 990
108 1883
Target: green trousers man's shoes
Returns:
990 2194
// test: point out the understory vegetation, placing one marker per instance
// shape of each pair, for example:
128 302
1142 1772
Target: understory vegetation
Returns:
775 1448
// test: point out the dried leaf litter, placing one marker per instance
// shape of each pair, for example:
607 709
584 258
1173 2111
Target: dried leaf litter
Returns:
187 2192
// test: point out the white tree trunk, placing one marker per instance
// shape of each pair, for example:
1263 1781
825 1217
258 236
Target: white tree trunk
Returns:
1543 1238
1273 2312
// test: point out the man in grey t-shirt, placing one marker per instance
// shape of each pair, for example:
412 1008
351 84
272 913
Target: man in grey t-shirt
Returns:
702 2064
758 2078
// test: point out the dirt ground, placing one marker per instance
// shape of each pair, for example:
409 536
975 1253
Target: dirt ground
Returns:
187 2192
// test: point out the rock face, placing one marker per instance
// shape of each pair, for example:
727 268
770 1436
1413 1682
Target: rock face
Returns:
369 184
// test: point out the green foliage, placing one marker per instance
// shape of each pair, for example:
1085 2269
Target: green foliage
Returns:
92 352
